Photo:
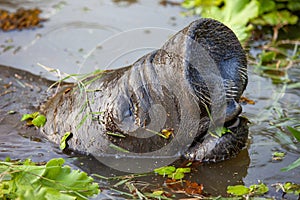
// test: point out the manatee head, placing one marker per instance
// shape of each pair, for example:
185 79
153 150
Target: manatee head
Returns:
216 65
190 85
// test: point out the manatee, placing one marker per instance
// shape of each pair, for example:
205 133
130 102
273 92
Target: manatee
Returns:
172 101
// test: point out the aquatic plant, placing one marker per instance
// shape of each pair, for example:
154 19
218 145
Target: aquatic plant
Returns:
51 180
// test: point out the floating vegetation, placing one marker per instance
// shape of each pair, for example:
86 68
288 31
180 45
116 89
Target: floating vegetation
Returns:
53 180
252 190
63 142
172 172
288 188
21 19
278 155
143 190
35 119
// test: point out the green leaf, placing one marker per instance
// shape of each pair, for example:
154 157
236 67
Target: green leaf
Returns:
84 118
244 11
292 166
295 132
158 192
179 173
29 116
292 188
266 6
50 181
183 170
165 170
39 121
34 119
279 17
293 5
238 190
278 154
236 15
117 148
116 134
220 131
285 139
267 57
258 189
64 139
121 182
26 117
293 85
176 175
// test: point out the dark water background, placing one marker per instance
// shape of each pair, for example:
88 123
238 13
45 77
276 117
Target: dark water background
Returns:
80 37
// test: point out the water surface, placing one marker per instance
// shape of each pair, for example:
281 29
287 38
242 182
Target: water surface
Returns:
81 37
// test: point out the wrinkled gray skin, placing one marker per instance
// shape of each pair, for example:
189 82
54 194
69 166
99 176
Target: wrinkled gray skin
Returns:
190 86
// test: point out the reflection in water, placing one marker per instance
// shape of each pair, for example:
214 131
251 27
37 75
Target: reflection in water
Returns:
72 30
216 177
119 50
52 34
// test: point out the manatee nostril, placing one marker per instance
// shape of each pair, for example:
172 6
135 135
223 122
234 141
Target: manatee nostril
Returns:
234 123
233 109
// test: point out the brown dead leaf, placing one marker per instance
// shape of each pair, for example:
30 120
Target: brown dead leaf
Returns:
193 188
185 186
246 100
21 19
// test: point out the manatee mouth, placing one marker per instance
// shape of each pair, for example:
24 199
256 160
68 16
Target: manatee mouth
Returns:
216 149
212 148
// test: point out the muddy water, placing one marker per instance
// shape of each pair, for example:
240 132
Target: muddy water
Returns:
80 38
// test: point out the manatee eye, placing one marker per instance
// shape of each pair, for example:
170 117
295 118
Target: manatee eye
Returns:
124 118
126 108
127 112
